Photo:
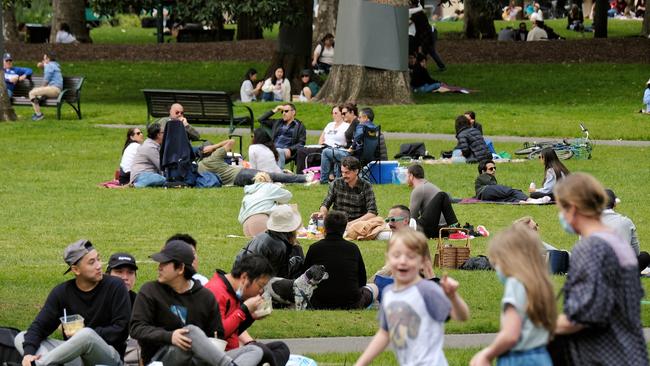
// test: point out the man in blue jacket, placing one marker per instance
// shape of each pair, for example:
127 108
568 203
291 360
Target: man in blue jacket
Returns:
13 74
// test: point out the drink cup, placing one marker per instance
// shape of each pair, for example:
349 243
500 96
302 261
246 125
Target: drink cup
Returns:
532 185
72 324
220 344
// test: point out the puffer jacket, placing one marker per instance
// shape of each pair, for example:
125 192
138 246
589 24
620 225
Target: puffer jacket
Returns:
471 143
285 258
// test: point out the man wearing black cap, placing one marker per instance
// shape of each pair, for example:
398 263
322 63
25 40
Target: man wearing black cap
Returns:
101 300
13 74
123 265
174 316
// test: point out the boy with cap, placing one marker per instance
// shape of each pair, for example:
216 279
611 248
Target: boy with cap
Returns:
13 74
123 265
101 300
174 316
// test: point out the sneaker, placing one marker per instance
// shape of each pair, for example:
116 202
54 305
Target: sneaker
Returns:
310 179
459 235
37 117
482 230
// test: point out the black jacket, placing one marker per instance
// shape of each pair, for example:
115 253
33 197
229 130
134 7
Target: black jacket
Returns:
299 133
153 321
278 251
471 143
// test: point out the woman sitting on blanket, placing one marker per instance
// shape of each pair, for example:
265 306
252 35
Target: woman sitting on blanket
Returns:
554 172
487 188
260 199
422 82
134 138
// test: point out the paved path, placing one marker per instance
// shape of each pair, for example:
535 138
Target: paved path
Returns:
358 344
417 136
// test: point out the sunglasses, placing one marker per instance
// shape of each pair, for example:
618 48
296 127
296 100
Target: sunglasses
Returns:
491 169
286 110
394 218
137 133
344 113
180 113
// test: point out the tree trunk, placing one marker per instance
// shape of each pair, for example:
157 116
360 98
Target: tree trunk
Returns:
73 13
10 27
365 85
246 28
325 20
6 110
478 22
368 85
600 19
294 45
645 28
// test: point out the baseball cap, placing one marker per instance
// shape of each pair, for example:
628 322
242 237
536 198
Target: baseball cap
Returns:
7 56
121 260
175 250
75 251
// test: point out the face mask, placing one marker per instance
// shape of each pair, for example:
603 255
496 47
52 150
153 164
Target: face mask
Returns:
502 278
240 292
565 224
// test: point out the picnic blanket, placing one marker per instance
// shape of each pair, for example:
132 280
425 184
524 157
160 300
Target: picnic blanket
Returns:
449 161
472 200
112 184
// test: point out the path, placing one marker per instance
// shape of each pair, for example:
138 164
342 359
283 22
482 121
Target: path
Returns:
417 136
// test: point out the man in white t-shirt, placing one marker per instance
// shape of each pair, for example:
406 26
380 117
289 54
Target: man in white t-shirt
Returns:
537 33
399 217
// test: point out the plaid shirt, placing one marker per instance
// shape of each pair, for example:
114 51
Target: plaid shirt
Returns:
355 201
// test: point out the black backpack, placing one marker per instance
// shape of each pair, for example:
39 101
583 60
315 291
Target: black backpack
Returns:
8 352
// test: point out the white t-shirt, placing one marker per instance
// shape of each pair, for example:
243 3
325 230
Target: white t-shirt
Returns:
415 319
335 136
326 54
128 155
246 93
531 336
64 37
263 159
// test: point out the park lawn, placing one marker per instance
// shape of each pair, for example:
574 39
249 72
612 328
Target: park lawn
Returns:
512 99
127 33
455 357
50 198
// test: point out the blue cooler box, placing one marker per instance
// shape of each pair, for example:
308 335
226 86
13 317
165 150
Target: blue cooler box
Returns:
382 173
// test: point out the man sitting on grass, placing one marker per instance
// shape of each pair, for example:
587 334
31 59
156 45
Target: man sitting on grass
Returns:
237 175
102 301
399 217
346 287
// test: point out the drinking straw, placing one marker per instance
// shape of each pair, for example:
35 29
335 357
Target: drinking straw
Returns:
65 316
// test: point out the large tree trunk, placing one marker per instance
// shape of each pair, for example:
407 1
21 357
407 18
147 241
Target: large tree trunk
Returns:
478 22
6 110
10 27
73 13
247 29
600 19
294 45
325 20
645 28
369 85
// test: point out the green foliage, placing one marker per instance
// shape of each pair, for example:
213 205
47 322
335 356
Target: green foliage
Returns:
265 13
32 11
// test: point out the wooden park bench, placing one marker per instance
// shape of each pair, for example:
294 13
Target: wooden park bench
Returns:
70 94
204 107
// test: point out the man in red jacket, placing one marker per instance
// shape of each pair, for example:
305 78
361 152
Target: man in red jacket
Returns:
239 294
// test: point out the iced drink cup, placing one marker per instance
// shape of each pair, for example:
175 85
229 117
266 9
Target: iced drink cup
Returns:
72 324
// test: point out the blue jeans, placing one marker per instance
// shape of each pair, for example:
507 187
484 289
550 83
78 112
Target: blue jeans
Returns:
331 157
427 88
270 97
149 179
532 357
282 157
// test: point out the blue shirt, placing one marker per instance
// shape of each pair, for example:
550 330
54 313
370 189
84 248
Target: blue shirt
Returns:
11 73
646 99
52 74
285 135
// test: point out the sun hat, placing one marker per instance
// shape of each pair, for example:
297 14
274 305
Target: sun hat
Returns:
284 219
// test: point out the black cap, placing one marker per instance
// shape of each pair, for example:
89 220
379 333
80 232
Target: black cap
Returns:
121 260
175 250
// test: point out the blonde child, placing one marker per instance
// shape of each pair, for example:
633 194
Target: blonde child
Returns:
528 312
413 311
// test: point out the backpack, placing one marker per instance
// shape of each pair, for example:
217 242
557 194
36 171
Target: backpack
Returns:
481 263
558 261
8 352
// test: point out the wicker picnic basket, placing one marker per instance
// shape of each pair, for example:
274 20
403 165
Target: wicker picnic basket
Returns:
449 256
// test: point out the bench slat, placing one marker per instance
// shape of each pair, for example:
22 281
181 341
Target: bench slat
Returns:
71 84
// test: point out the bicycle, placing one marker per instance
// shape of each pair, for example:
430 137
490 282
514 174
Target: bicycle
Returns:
578 148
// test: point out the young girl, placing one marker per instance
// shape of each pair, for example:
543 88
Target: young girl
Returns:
555 171
249 89
413 311
528 312
277 87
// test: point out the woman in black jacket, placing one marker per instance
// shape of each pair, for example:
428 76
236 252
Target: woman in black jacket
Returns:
470 142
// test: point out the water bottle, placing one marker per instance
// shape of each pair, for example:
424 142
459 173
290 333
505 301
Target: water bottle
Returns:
532 185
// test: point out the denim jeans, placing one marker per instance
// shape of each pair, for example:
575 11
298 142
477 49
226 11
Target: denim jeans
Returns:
245 177
282 157
532 357
427 88
270 97
84 348
204 353
331 158
149 179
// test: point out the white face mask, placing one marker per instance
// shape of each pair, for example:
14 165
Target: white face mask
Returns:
565 224
240 292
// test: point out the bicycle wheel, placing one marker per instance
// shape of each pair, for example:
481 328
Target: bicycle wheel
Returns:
528 149
564 154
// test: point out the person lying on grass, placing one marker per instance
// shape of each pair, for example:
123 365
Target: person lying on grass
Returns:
413 312
487 188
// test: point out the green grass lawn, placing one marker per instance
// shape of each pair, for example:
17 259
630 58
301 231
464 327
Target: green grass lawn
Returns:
522 99
50 199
